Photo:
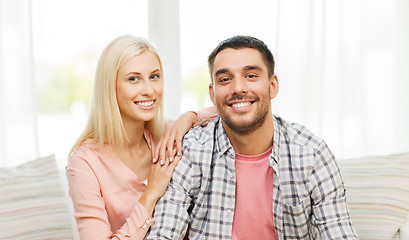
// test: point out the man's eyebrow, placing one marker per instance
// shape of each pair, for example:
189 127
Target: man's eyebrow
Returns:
252 67
221 71
249 67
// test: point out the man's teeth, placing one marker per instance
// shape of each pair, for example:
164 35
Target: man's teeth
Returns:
240 105
145 104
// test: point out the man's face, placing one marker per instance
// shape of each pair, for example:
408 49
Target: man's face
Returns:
242 89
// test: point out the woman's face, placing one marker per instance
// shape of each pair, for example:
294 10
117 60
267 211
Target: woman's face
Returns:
139 88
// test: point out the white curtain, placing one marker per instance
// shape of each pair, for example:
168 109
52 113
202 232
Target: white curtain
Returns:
343 68
18 132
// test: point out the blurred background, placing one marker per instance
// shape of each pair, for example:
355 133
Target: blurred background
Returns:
342 65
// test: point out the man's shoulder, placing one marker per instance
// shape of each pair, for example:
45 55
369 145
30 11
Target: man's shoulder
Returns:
201 135
300 146
298 134
199 144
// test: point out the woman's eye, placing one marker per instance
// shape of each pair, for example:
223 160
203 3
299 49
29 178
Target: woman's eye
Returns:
133 79
155 76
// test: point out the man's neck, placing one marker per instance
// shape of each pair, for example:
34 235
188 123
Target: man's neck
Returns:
253 143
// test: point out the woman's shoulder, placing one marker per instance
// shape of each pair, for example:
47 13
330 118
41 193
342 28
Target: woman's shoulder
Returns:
85 147
90 152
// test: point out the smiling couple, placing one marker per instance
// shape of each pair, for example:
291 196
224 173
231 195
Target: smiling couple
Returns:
247 174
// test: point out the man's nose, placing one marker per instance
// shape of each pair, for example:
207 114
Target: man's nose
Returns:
239 85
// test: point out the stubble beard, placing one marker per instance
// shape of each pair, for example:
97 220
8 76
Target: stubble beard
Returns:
246 127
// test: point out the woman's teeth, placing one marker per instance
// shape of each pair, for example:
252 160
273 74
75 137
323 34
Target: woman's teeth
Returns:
145 104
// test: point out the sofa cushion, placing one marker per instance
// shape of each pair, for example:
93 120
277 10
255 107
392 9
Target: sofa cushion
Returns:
377 194
33 204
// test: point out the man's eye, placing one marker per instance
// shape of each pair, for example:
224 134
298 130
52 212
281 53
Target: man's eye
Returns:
251 76
224 79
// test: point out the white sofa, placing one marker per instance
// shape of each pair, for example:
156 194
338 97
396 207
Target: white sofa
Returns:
34 203
378 195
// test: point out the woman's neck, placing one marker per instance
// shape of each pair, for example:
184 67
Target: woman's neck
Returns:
134 134
135 152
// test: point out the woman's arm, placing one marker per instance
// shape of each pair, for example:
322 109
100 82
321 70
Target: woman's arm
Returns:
158 181
90 205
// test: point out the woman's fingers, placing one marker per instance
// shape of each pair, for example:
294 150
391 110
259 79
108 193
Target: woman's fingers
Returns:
178 145
162 146
155 152
169 147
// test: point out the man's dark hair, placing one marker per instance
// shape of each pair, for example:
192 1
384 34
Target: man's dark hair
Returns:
238 42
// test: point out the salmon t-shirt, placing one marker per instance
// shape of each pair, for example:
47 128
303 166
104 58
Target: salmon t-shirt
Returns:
253 215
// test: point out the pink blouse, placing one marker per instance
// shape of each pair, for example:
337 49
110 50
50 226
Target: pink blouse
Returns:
105 192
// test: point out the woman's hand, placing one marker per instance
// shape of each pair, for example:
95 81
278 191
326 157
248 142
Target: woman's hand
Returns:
158 181
170 145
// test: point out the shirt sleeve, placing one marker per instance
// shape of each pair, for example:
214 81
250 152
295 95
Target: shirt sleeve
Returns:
171 211
330 210
89 206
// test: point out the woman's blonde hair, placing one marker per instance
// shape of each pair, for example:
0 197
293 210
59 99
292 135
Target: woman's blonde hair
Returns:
104 122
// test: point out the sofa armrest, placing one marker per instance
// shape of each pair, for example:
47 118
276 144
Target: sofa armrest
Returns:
378 195
33 204
404 230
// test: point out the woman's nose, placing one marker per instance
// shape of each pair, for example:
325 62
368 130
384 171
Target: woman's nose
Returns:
147 88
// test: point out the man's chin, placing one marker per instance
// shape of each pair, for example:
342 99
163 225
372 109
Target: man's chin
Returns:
242 127
244 124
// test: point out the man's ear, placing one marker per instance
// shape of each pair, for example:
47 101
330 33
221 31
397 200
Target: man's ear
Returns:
273 86
211 93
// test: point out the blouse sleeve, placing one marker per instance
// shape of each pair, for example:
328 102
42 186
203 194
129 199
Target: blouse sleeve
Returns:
89 206
205 115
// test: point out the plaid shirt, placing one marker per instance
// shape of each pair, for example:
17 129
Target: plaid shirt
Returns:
308 194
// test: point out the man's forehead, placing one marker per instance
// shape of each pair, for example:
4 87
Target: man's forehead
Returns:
242 58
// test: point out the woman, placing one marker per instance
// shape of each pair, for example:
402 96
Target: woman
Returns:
114 184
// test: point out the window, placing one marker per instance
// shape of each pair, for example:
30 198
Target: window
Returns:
203 24
341 65
68 37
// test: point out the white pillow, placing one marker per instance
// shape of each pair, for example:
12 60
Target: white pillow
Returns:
32 202
377 194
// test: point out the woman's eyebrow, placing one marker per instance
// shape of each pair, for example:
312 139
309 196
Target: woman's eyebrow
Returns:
132 73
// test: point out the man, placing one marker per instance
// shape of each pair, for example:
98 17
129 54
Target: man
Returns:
249 174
